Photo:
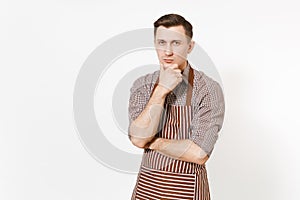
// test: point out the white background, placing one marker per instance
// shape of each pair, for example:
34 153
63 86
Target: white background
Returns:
254 45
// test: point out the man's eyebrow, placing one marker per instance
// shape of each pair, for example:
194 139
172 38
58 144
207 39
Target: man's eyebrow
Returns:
171 40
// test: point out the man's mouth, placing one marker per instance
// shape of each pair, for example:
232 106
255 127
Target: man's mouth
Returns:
167 60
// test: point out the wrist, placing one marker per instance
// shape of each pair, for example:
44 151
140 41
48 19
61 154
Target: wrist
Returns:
156 144
161 91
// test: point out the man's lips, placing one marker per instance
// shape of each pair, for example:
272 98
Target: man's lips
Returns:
168 60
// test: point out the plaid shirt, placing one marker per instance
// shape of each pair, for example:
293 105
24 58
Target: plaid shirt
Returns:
207 103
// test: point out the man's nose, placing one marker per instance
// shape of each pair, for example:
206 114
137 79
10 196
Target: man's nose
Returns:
168 50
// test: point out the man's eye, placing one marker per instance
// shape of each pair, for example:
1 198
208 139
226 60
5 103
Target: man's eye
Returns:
176 43
161 42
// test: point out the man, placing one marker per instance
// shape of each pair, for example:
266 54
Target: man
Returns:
175 115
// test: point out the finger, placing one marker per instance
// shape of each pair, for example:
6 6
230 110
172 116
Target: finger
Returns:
179 80
162 68
173 66
177 71
177 74
167 66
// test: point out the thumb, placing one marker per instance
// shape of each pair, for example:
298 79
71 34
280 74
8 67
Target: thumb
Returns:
161 67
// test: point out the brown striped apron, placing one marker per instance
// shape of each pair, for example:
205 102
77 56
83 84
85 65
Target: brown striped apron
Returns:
164 178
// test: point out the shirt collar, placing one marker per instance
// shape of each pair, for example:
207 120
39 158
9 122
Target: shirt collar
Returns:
185 73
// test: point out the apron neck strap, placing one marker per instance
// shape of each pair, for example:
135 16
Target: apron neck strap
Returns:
190 87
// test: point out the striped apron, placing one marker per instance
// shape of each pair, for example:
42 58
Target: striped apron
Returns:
164 178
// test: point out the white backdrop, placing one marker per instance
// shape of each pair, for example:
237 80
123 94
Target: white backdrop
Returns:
254 45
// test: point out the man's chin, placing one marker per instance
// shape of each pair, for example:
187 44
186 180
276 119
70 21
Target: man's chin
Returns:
167 65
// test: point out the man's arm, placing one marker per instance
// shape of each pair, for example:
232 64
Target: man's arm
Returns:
144 127
185 150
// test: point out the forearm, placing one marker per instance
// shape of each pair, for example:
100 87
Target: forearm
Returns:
144 127
185 150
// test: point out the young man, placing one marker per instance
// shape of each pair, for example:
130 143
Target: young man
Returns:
175 115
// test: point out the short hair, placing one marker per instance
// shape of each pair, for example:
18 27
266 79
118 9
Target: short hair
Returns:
170 20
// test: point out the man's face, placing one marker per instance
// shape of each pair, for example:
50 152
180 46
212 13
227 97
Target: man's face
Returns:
172 46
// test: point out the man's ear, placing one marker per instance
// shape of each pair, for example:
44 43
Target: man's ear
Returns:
191 46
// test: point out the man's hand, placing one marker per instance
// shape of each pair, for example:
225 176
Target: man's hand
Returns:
169 76
156 144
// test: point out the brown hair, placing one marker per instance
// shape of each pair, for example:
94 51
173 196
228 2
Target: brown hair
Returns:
170 20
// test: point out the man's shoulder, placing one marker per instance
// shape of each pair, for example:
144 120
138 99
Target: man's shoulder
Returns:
145 82
203 81
201 76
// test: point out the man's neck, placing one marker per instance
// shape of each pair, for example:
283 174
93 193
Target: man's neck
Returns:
184 65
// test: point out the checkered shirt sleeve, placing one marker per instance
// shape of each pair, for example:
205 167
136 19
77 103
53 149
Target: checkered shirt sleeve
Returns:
209 109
